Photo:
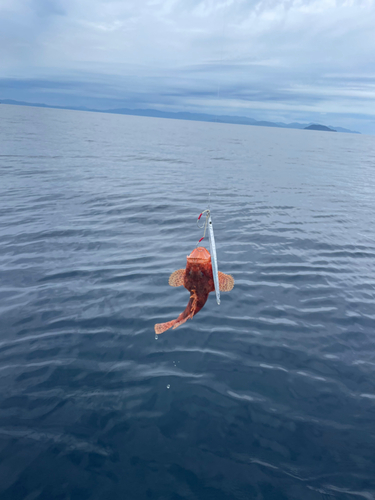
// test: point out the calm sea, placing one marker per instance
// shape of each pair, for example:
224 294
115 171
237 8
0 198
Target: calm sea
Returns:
270 395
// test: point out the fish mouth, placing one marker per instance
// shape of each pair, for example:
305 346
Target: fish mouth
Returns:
197 261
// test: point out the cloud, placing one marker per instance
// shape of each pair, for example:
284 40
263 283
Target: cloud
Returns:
301 57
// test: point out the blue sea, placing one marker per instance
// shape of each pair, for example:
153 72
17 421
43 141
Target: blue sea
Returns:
269 396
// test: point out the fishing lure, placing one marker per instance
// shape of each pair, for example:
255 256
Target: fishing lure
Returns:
215 270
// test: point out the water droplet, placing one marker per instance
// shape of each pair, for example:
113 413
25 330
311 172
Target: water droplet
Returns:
156 336
168 386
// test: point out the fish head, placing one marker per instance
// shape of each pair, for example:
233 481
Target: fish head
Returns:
199 255
198 274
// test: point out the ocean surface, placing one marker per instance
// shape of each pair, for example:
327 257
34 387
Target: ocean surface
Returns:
270 395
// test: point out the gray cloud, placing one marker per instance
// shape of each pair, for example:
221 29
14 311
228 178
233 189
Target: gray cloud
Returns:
270 59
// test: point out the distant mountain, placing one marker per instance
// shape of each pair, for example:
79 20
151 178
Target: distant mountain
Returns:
39 105
319 127
344 130
184 115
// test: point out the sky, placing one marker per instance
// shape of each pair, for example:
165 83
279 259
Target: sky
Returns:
278 60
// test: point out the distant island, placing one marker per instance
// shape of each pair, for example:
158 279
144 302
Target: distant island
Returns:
201 117
319 127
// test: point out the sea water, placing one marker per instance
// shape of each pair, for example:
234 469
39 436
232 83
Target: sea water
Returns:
270 395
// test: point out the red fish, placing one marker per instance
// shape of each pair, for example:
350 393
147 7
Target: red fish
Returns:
198 279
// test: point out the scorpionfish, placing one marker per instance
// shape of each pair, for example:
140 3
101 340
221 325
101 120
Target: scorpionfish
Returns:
198 279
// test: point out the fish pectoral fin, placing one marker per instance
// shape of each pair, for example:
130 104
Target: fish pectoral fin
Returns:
226 282
177 278
194 296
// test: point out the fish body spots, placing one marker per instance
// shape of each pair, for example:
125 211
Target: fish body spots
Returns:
199 277
198 274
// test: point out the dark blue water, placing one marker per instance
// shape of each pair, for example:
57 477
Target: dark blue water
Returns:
269 396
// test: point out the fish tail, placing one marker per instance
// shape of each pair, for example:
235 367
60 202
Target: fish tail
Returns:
162 327
189 312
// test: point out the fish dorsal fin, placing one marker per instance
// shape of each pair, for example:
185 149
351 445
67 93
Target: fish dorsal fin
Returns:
226 282
177 278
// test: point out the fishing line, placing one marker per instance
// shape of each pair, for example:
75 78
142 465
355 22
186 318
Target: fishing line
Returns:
205 224
221 59
208 221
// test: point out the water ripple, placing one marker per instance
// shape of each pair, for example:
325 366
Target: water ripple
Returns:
270 395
